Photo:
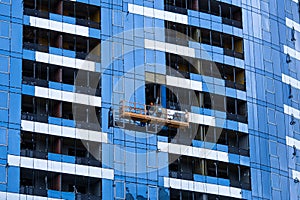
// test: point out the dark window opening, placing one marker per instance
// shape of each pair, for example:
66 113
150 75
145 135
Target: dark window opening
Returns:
236 109
181 34
85 14
181 99
39 109
204 6
182 67
205 37
39 145
237 142
37 182
153 94
189 195
41 39
184 167
36 73
231 15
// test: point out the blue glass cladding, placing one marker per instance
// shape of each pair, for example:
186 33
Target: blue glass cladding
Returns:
265 33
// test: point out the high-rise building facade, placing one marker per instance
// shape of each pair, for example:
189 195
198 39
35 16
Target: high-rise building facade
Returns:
173 99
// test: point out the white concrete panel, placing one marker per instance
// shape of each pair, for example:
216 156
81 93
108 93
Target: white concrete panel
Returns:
55 130
213 155
50 129
175 183
41 127
39 164
42 57
235 192
198 186
171 48
196 85
107 174
67 96
292 52
82 134
13 160
291 111
291 81
243 127
170 16
291 142
292 24
208 120
27 162
55 59
222 156
224 190
149 12
166 182
163 146
185 184
27 125
161 46
41 92
12 196
54 166
68 132
202 187
158 14
295 174
65 61
174 148
58 26
95 172
82 30
82 170
212 189
61 167
171 81
42 23
81 98
68 167
68 62
198 152
55 94
69 28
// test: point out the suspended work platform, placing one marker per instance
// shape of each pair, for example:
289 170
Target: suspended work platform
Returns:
151 114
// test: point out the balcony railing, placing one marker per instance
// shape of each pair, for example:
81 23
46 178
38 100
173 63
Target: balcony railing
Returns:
36 47
88 161
232 22
236 117
176 9
239 151
80 196
37 13
181 175
34 117
35 81
31 190
34 154
44 155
